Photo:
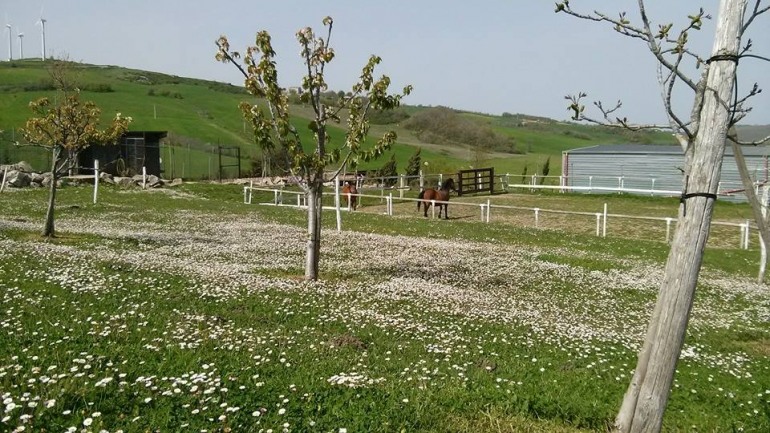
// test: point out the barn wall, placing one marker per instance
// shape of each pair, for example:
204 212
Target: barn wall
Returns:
604 169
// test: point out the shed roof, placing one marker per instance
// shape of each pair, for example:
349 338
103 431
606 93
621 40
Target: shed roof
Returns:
656 149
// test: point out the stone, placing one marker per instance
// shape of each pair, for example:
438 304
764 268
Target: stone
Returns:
125 181
106 178
154 181
18 179
177 181
37 178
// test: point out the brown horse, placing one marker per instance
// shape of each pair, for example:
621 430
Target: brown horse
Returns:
441 194
349 191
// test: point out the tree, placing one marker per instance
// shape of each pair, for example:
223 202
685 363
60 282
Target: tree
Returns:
715 109
413 165
545 169
389 171
271 123
66 127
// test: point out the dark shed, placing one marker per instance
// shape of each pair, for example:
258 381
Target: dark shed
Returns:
134 150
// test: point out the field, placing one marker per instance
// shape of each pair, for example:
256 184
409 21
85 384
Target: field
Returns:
185 310
205 114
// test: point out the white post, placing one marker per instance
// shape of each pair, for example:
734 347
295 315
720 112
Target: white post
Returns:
537 217
337 202
144 177
620 184
433 209
489 206
440 178
245 200
275 197
481 207
598 224
390 204
743 236
401 185
652 189
668 230
96 179
590 183
5 174
746 245
299 200
604 228
561 183
251 191
422 181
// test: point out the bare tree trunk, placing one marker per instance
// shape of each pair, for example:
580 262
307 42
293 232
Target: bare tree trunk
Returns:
48 228
646 398
756 206
314 208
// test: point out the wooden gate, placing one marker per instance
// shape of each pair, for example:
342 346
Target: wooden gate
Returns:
476 180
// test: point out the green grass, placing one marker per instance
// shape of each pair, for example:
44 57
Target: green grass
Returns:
206 112
192 314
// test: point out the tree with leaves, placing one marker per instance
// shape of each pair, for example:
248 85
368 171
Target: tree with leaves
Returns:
716 107
389 171
271 122
413 166
65 127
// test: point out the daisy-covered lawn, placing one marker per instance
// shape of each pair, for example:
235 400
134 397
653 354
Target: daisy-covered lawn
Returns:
186 311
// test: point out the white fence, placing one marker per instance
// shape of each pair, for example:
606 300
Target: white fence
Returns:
487 209
615 184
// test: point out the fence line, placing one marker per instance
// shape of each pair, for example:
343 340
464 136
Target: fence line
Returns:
602 218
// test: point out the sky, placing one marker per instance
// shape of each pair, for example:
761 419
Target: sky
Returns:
487 56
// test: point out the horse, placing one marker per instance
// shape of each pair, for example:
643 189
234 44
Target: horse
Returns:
349 191
441 194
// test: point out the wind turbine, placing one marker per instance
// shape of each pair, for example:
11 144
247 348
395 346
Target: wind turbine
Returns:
21 45
42 22
10 39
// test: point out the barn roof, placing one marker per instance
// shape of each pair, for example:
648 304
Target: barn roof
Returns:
656 149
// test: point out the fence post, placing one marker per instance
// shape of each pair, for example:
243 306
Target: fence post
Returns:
561 184
401 185
604 228
433 209
96 179
144 177
390 204
652 189
251 191
746 243
481 207
245 201
537 217
5 174
440 178
668 230
337 202
533 182
590 183
422 181
598 223
489 206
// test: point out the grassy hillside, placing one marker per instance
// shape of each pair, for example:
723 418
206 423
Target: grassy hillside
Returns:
200 114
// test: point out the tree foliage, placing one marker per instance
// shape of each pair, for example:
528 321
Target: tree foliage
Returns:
389 171
272 127
413 166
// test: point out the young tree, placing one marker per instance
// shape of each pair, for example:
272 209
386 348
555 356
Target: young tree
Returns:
715 109
271 123
65 127
389 171
413 165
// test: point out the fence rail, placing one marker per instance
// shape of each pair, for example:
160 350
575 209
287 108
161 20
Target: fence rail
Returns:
487 209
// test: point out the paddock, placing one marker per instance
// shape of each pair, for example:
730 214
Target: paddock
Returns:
601 221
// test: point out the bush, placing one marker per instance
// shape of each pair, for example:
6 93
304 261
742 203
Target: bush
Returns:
443 125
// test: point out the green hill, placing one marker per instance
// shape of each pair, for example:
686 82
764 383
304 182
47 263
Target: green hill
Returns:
201 114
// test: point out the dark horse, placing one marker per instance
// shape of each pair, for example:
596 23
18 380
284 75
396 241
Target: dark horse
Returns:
349 190
441 194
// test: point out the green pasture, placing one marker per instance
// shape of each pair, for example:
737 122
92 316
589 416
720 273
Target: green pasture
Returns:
185 310
205 113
